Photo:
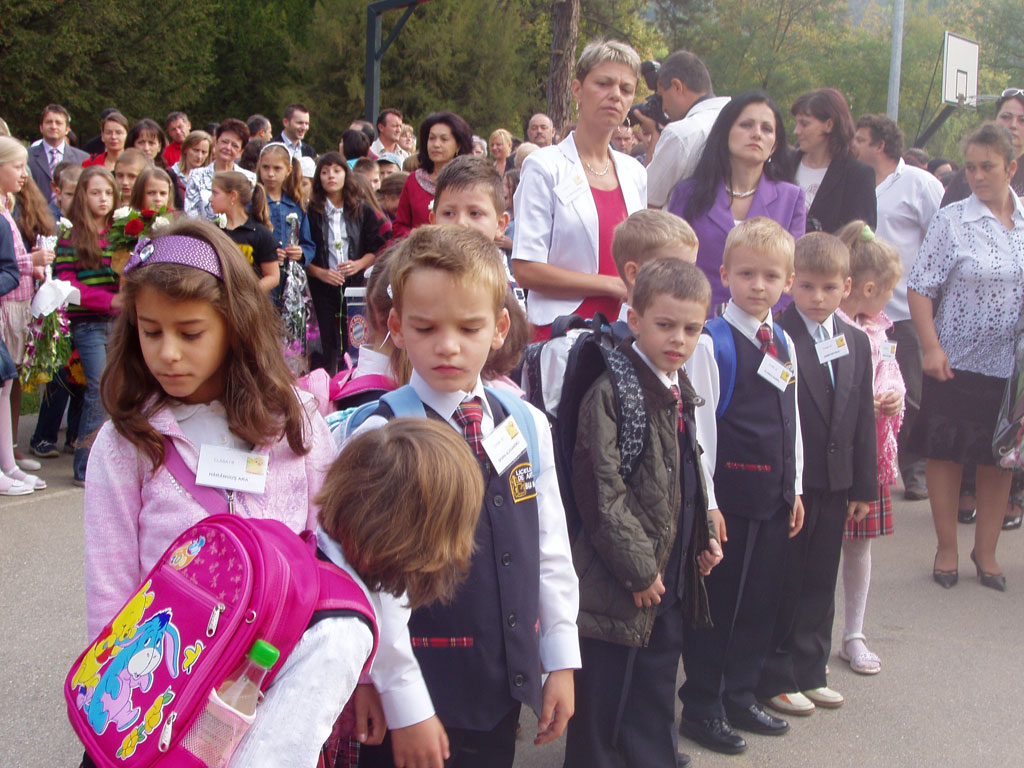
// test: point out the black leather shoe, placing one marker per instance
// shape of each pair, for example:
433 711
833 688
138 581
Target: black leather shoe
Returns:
714 734
991 580
1013 520
756 720
966 516
682 760
915 493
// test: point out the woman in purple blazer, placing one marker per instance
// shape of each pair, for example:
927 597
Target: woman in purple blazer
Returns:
740 175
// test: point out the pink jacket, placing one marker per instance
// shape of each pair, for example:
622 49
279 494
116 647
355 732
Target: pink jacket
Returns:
887 378
132 514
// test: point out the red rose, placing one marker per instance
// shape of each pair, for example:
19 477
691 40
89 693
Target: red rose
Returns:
134 227
147 214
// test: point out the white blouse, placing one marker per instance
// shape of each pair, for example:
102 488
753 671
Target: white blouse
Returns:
973 267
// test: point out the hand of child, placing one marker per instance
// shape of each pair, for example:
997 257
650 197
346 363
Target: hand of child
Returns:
41 257
39 273
504 242
423 745
282 254
857 510
651 595
329 276
558 702
796 517
890 403
615 287
370 722
710 557
719 520
936 364
294 252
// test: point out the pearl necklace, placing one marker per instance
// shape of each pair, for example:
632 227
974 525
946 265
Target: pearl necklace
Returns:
607 167
740 195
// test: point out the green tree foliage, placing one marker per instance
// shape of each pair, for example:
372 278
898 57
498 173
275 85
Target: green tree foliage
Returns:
144 58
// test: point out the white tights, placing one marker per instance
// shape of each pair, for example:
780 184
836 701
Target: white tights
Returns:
6 436
856 582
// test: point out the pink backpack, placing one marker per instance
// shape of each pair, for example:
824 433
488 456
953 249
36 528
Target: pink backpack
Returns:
137 694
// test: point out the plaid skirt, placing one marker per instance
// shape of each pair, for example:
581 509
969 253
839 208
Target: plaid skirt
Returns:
878 521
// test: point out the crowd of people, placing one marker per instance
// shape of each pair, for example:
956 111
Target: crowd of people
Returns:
801 327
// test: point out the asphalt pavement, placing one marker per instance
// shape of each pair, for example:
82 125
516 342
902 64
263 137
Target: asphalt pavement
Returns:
951 690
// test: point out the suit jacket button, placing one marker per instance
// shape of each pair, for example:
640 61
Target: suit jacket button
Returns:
511 619
518 681
498 499
832 448
506 559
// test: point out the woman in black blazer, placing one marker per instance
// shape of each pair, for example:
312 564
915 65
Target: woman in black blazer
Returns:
340 260
837 187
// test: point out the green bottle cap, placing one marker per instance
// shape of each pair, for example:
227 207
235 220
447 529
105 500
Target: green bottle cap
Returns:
264 654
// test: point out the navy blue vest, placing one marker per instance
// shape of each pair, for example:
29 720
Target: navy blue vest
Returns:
755 466
480 654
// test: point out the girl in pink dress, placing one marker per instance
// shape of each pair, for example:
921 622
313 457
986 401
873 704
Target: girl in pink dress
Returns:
875 269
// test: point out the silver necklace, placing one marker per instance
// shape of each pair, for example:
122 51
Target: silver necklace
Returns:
607 167
740 195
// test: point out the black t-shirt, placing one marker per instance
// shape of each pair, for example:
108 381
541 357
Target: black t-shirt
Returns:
256 242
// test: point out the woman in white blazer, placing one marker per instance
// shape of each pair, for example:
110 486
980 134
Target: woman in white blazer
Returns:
571 197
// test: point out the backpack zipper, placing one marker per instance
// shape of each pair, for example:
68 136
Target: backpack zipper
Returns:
231 501
211 626
165 732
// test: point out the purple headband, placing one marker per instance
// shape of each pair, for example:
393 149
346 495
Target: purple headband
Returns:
176 249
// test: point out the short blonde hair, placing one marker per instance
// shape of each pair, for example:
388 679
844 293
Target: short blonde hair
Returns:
600 51
403 502
822 254
871 258
469 257
675 277
761 235
640 235
501 133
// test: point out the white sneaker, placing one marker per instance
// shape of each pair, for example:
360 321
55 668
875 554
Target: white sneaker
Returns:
825 697
792 704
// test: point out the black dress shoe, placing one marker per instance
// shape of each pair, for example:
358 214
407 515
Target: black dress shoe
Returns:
915 493
1013 521
714 734
966 516
991 580
756 720
682 760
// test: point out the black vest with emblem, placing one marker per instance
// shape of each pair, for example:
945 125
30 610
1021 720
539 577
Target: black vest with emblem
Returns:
480 654
755 468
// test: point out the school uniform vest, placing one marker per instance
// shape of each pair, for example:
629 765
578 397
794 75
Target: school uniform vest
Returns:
755 467
480 654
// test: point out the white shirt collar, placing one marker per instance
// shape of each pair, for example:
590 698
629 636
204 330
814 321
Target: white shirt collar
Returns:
624 312
445 403
746 323
49 148
974 209
812 325
330 209
664 378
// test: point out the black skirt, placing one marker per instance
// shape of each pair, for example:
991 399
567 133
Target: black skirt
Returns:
958 418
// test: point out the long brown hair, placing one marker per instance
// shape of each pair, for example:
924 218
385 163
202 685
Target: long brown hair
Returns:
33 213
349 193
292 184
259 397
403 502
248 193
85 236
378 307
190 141
138 196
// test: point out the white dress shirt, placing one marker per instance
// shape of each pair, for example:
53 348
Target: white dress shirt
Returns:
704 376
821 332
295 148
378 149
314 683
678 150
907 200
337 235
396 673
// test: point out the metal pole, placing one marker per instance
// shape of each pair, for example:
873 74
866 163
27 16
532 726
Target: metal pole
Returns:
892 107
373 32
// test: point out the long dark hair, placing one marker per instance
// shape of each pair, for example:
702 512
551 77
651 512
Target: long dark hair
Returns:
349 192
715 164
460 130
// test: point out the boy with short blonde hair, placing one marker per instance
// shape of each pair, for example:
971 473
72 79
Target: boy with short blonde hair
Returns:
745 369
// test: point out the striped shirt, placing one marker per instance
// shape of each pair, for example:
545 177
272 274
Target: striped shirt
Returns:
97 286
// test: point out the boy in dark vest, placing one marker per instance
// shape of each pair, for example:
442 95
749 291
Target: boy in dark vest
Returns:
645 540
837 423
745 370
452 678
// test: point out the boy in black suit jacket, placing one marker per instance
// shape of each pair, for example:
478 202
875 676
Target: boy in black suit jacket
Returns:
839 477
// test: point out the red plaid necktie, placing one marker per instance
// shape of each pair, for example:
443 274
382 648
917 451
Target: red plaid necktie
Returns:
679 408
468 416
764 336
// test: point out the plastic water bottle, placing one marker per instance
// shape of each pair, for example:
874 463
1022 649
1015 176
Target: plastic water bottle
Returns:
242 689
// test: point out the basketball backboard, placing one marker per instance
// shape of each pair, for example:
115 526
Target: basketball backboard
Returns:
959 71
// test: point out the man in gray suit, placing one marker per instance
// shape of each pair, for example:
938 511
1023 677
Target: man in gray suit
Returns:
47 152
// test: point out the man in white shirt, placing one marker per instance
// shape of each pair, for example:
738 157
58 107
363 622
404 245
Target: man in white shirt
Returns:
540 130
907 198
389 129
296 124
689 102
52 149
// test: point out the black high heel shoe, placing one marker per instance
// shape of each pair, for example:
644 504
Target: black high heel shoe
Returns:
992 580
946 579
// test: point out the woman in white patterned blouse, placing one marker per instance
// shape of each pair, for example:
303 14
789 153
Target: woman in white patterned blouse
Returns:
966 291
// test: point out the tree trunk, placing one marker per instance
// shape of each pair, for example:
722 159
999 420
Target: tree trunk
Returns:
565 29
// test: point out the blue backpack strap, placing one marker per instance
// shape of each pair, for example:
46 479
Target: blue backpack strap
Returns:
518 410
404 402
725 356
780 336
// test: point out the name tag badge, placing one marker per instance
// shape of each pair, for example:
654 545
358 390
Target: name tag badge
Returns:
504 445
232 469
888 350
832 349
780 375
571 188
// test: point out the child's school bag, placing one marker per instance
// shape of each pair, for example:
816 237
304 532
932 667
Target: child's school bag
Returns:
557 374
725 356
138 695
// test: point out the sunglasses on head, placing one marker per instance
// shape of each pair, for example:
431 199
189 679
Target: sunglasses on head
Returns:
1011 92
